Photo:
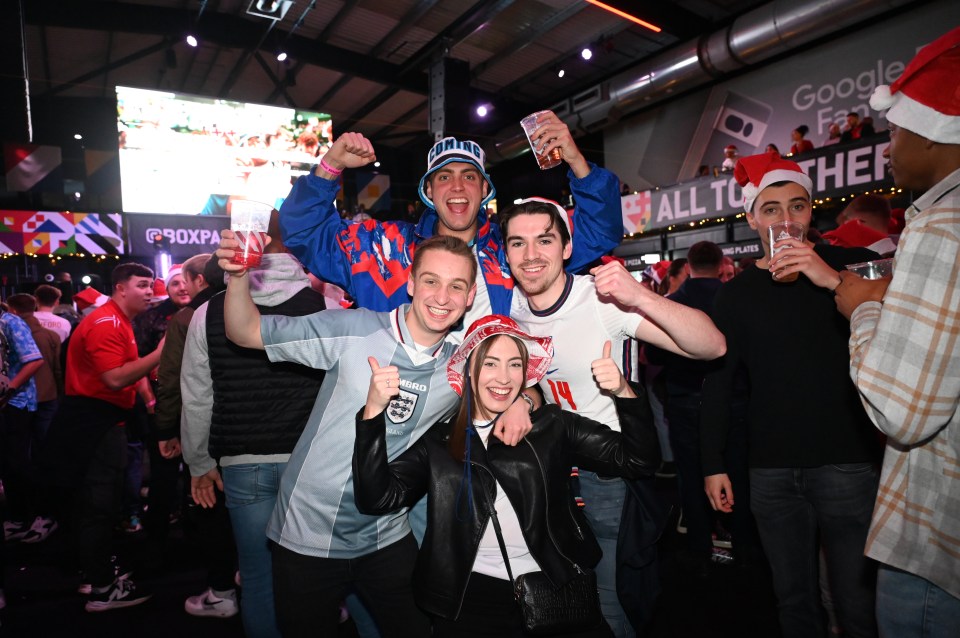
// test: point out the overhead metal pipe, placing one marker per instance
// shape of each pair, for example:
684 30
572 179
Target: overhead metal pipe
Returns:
758 35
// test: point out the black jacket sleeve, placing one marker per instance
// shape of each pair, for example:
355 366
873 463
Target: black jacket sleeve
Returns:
634 452
380 486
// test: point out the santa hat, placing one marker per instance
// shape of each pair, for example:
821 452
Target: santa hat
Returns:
159 289
89 298
925 99
729 147
856 234
756 172
448 150
176 269
539 349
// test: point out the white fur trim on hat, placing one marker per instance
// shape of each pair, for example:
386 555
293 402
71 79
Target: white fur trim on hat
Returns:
917 118
772 177
176 269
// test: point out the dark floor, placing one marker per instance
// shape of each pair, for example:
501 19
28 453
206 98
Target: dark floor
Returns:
724 602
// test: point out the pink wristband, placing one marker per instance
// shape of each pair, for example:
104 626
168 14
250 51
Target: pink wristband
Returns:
151 403
333 171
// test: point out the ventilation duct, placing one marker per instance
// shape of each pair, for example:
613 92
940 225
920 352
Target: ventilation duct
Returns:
767 31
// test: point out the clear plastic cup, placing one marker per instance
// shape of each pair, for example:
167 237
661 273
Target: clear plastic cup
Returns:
785 230
876 269
249 220
530 128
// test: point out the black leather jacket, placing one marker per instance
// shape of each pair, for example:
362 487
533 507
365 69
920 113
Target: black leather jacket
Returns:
534 474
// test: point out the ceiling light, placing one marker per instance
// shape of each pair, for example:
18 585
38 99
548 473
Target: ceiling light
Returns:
586 54
77 136
482 111
281 56
191 40
624 14
376 164
561 73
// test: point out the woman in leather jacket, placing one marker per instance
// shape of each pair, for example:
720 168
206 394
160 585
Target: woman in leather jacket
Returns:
460 576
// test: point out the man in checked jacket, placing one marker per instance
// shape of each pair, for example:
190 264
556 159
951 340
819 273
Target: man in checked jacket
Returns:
904 355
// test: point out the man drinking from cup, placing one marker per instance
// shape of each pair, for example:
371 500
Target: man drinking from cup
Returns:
812 451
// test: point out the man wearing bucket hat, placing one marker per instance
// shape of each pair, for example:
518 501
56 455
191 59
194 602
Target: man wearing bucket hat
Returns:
586 315
323 543
812 453
903 354
371 261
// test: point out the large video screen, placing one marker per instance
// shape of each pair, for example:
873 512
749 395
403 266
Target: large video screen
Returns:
192 155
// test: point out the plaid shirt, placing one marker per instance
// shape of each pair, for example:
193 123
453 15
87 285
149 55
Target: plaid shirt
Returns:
905 361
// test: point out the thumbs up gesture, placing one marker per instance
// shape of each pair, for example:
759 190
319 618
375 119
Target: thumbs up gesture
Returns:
384 385
608 375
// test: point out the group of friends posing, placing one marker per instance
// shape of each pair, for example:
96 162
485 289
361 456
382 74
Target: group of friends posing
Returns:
427 420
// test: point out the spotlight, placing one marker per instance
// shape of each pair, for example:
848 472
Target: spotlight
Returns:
77 136
85 280
281 56
586 54
192 40
482 111
376 164
561 73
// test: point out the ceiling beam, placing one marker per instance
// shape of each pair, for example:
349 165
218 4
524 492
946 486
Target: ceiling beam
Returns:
133 57
217 28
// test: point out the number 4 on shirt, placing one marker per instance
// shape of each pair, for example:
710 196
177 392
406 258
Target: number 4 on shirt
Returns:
561 390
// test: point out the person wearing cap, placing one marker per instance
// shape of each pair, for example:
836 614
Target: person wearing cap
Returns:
812 453
323 544
730 156
903 354
461 577
582 313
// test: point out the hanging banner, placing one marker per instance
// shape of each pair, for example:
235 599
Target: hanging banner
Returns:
186 235
60 233
835 171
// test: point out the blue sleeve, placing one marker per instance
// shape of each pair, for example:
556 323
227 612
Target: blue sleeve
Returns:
310 226
21 341
597 221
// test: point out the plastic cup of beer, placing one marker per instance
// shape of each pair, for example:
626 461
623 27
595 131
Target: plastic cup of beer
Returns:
249 221
779 231
530 128
876 269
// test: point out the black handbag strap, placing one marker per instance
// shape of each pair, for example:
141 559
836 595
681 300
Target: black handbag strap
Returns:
496 528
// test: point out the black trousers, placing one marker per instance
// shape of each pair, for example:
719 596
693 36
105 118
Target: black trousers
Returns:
489 609
307 590
98 504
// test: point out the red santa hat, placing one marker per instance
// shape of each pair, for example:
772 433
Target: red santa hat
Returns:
729 147
925 99
856 234
756 172
89 298
176 269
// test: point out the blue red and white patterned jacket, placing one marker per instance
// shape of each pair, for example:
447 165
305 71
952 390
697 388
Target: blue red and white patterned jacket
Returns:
371 260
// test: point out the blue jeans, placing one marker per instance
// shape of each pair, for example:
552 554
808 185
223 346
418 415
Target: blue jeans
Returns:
909 606
251 493
603 507
790 506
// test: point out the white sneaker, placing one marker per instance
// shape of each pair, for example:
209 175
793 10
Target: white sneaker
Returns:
14 530
122 593
209 603
40 530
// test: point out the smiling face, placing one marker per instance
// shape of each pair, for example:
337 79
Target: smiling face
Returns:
787 202
457 190
497 375
536 254
178 292
441 289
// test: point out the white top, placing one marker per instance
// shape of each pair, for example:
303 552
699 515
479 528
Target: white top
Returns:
489 560
579 323
51 321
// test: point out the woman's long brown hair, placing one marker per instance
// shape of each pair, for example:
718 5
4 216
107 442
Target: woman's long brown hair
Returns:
466 411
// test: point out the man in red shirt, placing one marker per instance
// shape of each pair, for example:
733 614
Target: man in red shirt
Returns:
101 376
